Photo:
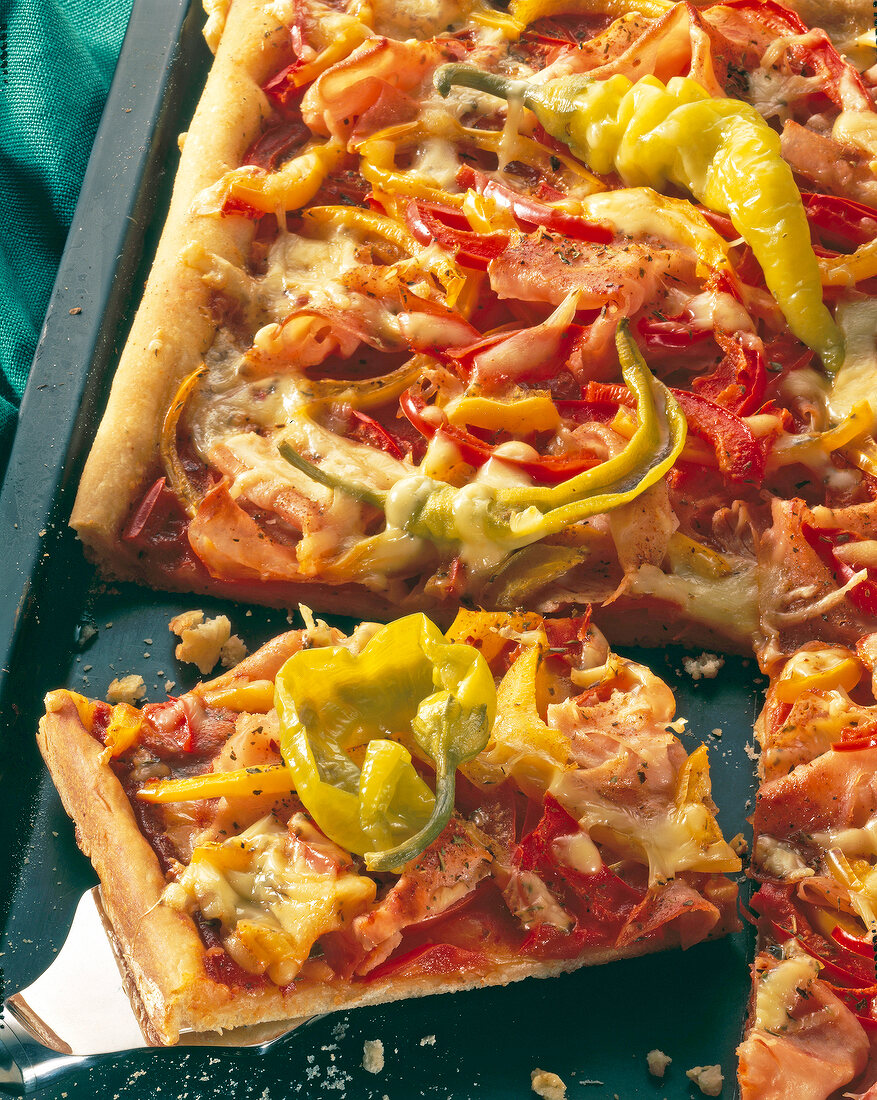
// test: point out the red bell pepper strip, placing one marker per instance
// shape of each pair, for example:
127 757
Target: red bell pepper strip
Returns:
824 541
550 469
367 430
853 943
529 213
739 381
739 453
840 221
428 222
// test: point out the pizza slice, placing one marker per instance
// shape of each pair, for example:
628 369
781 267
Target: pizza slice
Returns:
346 820
813 1016
405 347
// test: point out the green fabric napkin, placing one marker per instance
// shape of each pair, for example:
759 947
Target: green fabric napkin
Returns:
56 62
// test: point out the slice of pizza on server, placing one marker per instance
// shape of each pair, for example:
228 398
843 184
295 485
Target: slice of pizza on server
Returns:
347 820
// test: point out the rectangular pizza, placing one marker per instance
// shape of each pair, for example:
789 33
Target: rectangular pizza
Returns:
515 315
532 308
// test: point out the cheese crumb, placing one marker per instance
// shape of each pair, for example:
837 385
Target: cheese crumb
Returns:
373 1055
708 1079
658 1061
707 666
547 1085
126 689
203 642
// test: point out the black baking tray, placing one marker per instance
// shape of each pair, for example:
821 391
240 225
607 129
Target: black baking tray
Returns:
60 626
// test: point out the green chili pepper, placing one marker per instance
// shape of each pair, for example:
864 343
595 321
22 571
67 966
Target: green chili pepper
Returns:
409 681
721 150
490 523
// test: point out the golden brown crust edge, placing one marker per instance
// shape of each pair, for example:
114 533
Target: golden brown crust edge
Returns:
162 949
173 328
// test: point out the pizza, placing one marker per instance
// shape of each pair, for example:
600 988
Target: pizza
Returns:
515 316
813 1017
565 304
342 820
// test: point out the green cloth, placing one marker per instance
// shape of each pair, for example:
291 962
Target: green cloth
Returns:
56 62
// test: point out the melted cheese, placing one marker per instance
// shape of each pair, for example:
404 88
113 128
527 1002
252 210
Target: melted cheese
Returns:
779 860
780 988
274 905
857 379
728 602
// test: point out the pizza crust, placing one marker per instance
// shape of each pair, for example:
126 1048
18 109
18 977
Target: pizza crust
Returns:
173 328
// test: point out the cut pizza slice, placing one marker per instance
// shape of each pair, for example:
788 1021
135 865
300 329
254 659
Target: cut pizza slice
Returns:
406 347
813 1017
347 820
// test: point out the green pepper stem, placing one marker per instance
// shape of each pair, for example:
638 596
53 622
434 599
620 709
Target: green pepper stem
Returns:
359 492
468 76
394 858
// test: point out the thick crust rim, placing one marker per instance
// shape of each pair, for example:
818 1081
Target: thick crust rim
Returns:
173 328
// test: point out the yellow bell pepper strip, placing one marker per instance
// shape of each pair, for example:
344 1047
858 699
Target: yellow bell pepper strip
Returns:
268 779
528 11
178 479
122 730
253 191
409 682
720 150
818 670
492 522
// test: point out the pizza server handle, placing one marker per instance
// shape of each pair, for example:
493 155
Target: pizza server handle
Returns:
26 1066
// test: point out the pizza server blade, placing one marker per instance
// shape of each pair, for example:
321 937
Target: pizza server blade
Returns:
77 1013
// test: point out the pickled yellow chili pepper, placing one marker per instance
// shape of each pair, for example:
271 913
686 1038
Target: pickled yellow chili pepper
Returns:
410 682
720 150
491 522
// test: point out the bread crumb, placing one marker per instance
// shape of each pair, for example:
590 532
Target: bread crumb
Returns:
705 666
169 686
657 1062
428 1041
717 732
126 689
749 749
708 1079
233 652
373 1055
739 845
547 1085
678 727
203 642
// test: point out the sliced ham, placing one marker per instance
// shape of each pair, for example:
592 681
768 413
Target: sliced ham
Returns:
823 1049
442 876
836 791
367 90
828 165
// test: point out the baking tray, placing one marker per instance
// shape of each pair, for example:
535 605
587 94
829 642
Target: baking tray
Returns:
60 626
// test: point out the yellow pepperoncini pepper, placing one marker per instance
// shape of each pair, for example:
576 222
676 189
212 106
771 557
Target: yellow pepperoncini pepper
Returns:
721 150
408 681
490 522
